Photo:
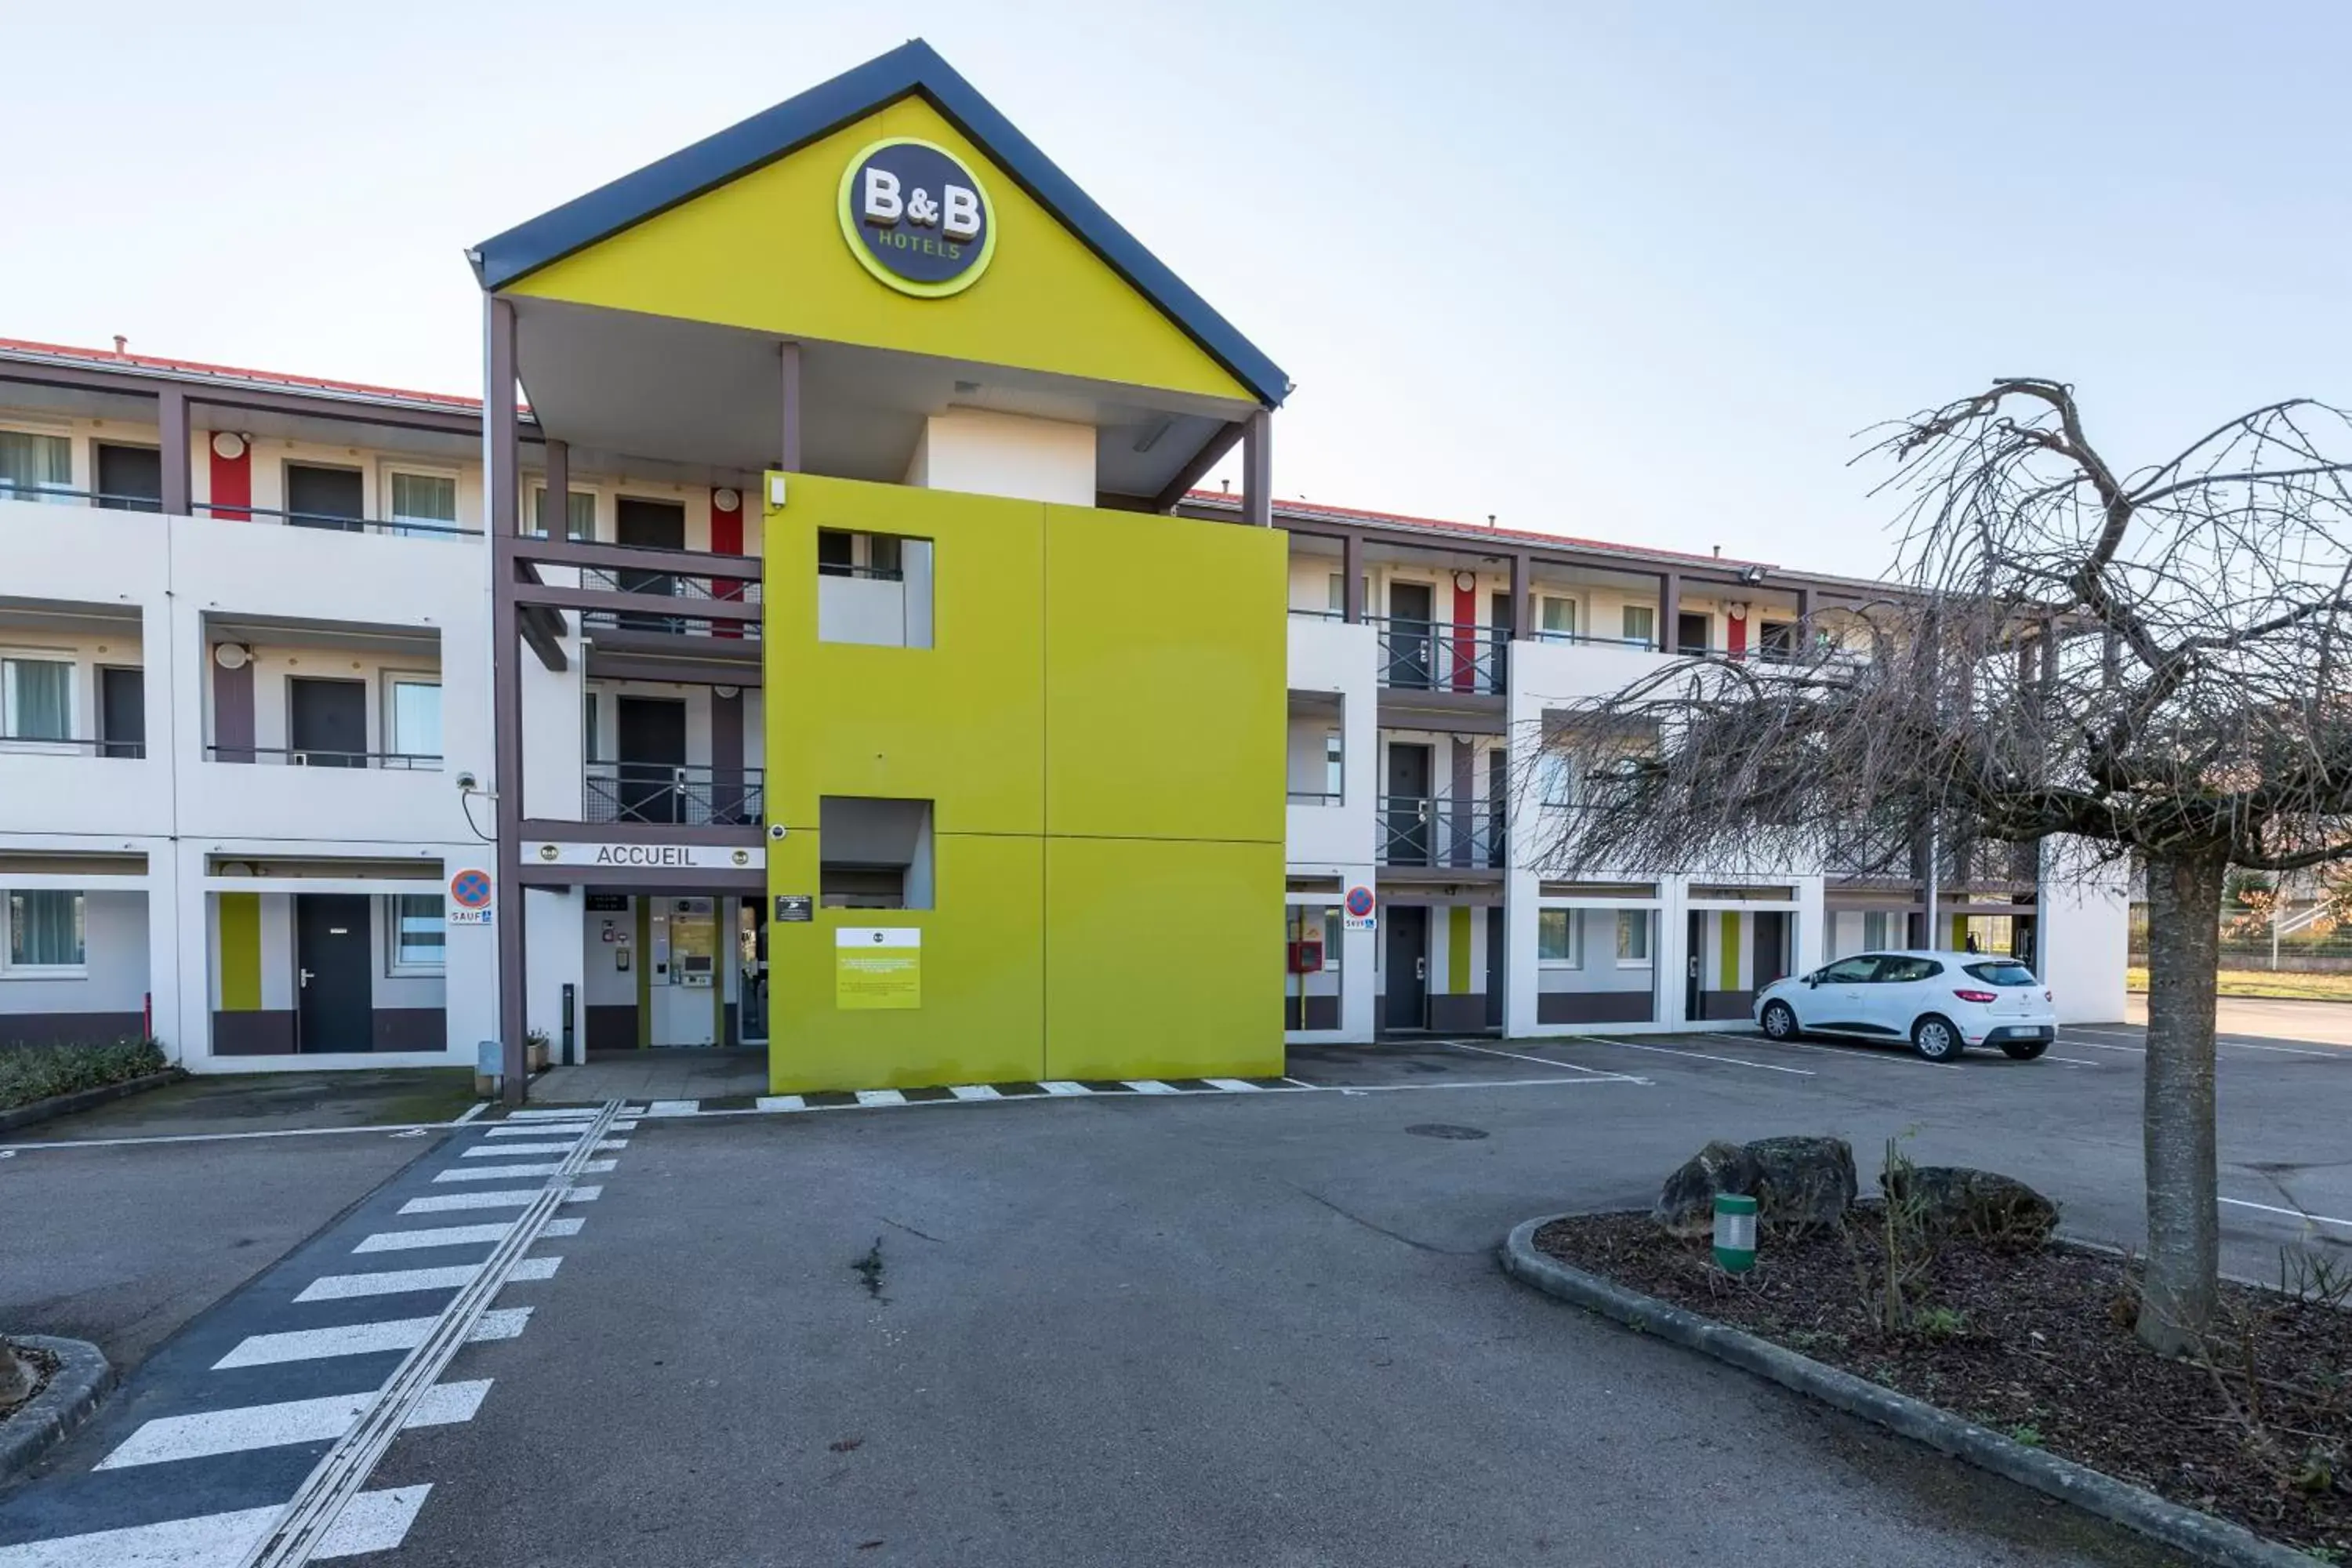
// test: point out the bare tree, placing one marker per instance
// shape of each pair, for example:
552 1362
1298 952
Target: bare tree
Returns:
2142 664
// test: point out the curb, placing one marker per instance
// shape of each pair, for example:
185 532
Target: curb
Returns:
81 1380
2200 1535
48 1109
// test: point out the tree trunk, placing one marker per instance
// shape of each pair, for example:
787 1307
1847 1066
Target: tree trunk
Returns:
2184 1217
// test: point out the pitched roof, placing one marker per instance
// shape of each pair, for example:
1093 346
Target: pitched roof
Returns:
184 368
913 66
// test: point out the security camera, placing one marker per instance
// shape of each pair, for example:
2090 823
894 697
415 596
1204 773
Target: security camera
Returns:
465 784
775 830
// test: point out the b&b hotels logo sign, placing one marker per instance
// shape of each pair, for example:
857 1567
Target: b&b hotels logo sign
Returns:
917 218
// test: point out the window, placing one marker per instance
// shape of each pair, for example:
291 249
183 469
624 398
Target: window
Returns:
1558 938
34 468
1332 928
1335 771
1878 930
873 588
1780 640
1641 625
412 716
419 934
422 504
1555 617
1339 600
1902 971
1556 778
1850 972
45 935
36 697
1634 939
873 853
2002 972
579 513
588 727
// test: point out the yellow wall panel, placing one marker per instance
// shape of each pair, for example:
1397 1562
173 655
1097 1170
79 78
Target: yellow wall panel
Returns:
766 252
240 951
1164 710
983 1014
961 723
1162 959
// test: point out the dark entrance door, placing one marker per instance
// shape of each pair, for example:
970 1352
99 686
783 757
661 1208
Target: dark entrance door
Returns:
652 750
333 1011
1692 967
654 525
1405 808
1409 634
1772 948
129 479
122 712
326 722
325 498
1405 966
1496 983
1690 634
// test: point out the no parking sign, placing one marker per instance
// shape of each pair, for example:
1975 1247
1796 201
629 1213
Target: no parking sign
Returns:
469 897
1356 911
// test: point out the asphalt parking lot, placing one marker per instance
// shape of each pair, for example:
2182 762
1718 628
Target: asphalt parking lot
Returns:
1259 1327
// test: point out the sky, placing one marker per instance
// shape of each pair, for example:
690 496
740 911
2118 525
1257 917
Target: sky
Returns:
1633 272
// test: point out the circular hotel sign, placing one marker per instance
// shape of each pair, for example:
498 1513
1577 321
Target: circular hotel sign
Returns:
917 218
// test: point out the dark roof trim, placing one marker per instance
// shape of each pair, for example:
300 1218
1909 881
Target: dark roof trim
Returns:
773 133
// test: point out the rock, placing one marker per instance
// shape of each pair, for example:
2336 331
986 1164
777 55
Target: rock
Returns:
1686 1206
1981 1205
1802 1183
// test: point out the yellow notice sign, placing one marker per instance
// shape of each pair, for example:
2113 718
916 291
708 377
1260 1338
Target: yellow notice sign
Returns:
877 966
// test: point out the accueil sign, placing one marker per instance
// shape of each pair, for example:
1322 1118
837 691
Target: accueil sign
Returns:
917 218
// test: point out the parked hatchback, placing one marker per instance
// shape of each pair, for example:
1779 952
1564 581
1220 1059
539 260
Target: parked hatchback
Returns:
1940 1002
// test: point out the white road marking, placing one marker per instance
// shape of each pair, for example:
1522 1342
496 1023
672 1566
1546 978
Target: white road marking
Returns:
273 1425
361 1339
2077 1061
781 1102
374 1521
880 1096
456 1236
1518 1057
396 1281
502 1172
503 1151
1062 1086
1235 1085
1694 1055
1861 1050
2218 1041
442 1203
974 1091
542 1129
674 1108
554 1113
471 1111
2295 1214
1150 1086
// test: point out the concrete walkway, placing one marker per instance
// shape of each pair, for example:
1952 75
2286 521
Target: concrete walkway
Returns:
2270 1018
706 1073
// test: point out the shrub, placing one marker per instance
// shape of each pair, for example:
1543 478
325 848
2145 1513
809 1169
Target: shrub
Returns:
29 1073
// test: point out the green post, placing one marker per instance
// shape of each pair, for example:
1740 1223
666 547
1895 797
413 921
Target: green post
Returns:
1735 1233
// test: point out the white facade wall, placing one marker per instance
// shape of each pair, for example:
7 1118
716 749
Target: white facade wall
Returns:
1333 842
982 452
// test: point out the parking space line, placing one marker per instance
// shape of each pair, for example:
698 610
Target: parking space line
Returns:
1904 1056
1695 1055
2219 1041
1518 1057
2292 1214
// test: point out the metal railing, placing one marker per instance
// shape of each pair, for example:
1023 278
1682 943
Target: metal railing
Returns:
686 587
1438 655
1593 639
668 793
1315 797
325 757
333 522
61 746
1454 835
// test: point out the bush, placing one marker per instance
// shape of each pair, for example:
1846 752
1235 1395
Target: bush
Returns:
28 1073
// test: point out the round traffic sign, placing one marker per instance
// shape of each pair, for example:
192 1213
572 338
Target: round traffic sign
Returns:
1359 902
470 890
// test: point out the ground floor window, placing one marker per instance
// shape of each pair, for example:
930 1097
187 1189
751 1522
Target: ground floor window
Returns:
45 933
1557 932
419 934
1633 938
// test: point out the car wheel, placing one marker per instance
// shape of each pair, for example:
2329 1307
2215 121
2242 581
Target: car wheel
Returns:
2023 1050
1934 1037
1781 1021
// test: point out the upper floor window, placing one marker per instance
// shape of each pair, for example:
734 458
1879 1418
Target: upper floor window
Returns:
36 697
1641 625
45 934
422 503
35 466
873 588
579 513
1556 616
412 712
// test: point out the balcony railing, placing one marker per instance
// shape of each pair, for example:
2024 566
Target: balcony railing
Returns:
1438 655
334 522
44 746
686 587
1453 835
668 793
1315 797
325 757
1589 639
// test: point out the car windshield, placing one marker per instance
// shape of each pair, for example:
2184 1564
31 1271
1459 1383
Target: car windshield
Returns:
2002 972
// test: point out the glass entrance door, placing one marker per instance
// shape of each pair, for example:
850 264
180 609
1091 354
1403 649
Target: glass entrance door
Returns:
752 974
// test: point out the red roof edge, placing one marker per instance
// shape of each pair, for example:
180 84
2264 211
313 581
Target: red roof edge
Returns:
199 367
1475 530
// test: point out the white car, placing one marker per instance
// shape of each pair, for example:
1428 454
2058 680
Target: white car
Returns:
1940 1002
